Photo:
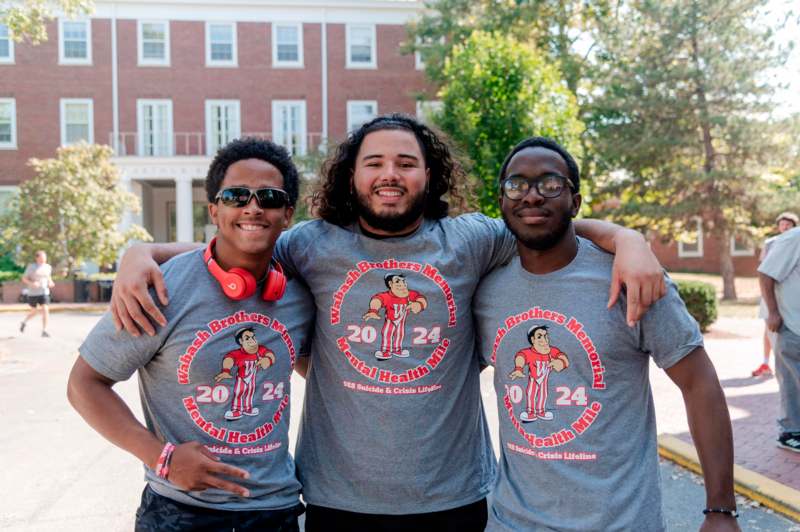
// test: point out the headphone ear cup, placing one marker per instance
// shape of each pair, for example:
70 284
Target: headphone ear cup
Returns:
239 284
275 286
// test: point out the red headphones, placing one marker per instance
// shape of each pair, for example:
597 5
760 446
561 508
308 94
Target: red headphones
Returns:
238 283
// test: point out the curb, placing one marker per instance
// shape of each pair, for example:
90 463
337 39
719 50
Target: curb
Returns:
774 495
56 307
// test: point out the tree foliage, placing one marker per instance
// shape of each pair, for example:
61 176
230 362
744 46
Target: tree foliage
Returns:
497 91
27 19
682 122
71 209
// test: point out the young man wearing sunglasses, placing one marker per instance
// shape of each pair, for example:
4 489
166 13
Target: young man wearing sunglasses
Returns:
584 457
215 381
389 441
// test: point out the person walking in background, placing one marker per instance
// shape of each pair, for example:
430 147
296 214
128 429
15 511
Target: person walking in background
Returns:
784 222
38 279
779 278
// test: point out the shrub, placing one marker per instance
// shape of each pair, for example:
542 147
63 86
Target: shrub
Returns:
6 275
701 301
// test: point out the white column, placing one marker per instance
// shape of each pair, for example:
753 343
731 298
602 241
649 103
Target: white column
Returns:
184 221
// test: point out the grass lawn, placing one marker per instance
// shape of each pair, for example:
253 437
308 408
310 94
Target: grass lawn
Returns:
746 289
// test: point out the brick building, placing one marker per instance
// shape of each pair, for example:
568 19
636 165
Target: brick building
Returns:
166 83
701 253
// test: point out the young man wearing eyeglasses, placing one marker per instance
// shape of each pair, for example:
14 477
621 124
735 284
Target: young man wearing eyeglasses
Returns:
584 457
215 381
393 435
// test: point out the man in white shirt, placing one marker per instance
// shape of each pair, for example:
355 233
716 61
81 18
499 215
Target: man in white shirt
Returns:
779 277
38 280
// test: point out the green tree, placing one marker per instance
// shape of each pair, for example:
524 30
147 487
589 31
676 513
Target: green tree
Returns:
682 122
497 91
71 209
27 19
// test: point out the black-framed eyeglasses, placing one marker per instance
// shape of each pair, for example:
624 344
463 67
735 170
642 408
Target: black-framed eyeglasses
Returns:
267 198
516 187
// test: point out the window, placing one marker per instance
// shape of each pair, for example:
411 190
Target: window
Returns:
200 217
360 112
75 42
221 44
77 121
153 43
289 125
154 120
741 246
287 45
7 193
222 123
426 110
8 124
693 244
6 45
361 46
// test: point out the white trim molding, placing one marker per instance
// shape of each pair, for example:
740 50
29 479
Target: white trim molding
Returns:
12 144
143 61
234 60
276 62
685 253
89 103
8 59
62 59
749 251
159 149
352 124
373 54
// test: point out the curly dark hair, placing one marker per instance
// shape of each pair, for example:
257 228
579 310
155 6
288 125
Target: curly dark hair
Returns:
252 148
550 144
335 201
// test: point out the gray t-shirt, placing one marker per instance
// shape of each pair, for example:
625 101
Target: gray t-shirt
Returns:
578 445
241 415
40 275
783 264
392 421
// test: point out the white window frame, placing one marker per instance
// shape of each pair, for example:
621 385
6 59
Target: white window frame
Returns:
749 252
66 101
10 59
140 103
276 104
142 61
11 190
432 105
236 133
71 60
353 103
688 254
374 49
234 60
276 63
12 145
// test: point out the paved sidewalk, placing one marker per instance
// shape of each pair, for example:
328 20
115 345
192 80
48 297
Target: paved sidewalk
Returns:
765 472
57 307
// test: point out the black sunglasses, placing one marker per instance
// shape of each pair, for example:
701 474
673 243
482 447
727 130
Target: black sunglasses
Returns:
267 198
516 187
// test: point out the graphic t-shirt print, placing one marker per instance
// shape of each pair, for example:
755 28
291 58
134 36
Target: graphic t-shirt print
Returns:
399 333
239 390
549 402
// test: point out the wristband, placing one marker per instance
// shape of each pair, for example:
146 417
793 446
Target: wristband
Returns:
162 466
733 513
518 368
226 370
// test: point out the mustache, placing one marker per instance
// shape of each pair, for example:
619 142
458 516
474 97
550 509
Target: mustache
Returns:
532 211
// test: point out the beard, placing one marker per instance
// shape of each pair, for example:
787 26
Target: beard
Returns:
395 222
546 240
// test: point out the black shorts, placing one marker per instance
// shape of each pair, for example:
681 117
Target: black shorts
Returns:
35 301
161 514
469 518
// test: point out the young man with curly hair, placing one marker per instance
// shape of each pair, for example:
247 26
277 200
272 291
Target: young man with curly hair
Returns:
394 442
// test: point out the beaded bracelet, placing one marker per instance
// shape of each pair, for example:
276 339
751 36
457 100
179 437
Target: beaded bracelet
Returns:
733 513
162 466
